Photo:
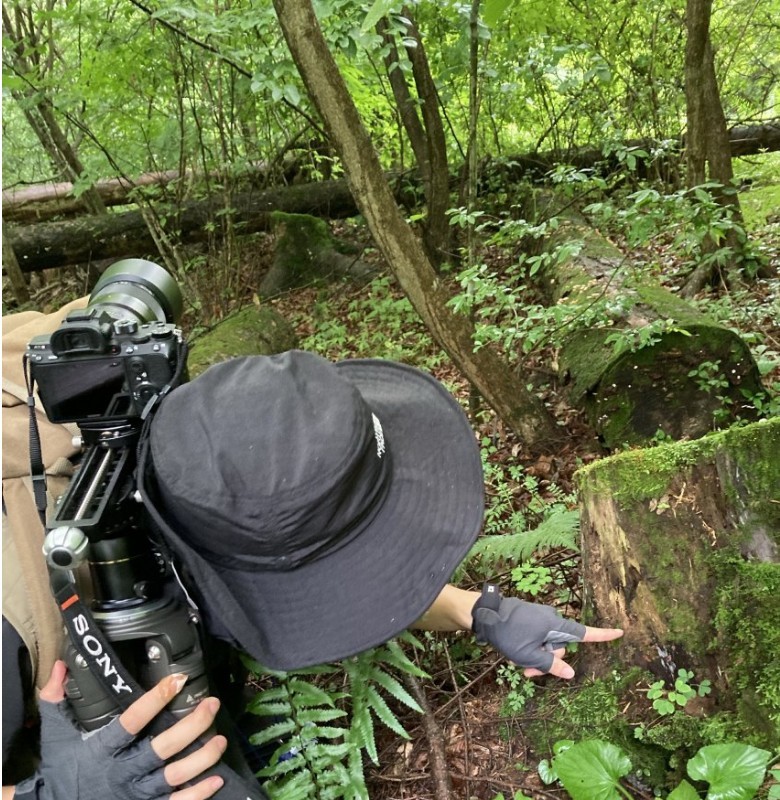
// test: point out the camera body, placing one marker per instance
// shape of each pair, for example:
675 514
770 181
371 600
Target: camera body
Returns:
95 367
106 361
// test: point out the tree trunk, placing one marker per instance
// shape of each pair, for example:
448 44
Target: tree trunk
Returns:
426 136
680 373
707 143
521 410
57 244
681 548
28 59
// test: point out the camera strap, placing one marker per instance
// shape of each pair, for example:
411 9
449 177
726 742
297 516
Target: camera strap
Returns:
91 643
37 467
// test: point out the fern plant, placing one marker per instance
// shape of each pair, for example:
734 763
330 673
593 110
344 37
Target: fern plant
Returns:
321 721
559 529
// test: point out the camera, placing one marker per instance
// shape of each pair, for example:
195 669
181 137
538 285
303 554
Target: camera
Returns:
108 360
104 368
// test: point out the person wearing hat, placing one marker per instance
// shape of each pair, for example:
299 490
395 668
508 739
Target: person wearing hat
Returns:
319 509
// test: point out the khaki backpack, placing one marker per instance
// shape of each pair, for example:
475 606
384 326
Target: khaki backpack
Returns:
27 600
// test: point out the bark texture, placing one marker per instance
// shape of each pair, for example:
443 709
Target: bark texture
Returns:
681 548
707 146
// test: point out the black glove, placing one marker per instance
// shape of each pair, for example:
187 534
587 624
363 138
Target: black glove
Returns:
526 633
104 764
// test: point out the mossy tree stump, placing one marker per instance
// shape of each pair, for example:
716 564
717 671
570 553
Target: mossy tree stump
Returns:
680 548
307 253
676 371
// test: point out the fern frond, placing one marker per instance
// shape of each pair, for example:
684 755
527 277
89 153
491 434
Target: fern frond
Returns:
560 529
394 688
273 732
395 656
305 694
384 714
361 732
312 716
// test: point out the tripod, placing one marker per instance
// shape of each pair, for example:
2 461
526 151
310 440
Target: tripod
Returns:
151 632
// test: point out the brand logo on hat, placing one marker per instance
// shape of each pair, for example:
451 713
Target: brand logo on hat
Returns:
379 435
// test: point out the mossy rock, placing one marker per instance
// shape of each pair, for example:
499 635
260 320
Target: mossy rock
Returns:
690 375
252 331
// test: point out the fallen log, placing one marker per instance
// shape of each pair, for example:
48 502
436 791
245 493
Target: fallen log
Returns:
681 549
654 366
86 239
42 202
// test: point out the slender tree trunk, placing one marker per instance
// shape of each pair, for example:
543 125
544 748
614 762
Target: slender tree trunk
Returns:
404 253
707 145
28 64
426 135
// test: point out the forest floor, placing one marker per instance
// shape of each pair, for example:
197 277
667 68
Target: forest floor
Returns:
486 745
487 749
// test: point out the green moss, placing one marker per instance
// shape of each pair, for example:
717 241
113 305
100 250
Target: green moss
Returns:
645 474
670 306
252 331
746 620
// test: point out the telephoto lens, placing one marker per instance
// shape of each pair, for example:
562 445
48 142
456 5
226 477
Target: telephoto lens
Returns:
138 289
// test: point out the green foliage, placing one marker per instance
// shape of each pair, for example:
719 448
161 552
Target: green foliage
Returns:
695 221
519 689
748 607
531 578
559 530
592 770
377 323
668 701
321 721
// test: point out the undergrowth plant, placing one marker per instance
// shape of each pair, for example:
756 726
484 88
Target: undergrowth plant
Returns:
380 322
594 768
320 721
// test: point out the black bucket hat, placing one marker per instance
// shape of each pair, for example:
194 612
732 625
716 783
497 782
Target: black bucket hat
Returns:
319 508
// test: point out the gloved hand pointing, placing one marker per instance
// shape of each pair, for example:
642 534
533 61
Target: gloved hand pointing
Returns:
531 635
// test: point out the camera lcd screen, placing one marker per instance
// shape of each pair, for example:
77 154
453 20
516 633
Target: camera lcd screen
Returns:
78 389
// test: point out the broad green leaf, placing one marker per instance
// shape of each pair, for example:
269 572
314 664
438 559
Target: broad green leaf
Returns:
494 10
380 8
684 792
591 770
733 771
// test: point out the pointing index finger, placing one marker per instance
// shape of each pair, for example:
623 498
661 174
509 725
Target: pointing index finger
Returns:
601 634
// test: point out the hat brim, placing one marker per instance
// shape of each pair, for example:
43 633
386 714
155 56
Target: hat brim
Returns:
382 581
